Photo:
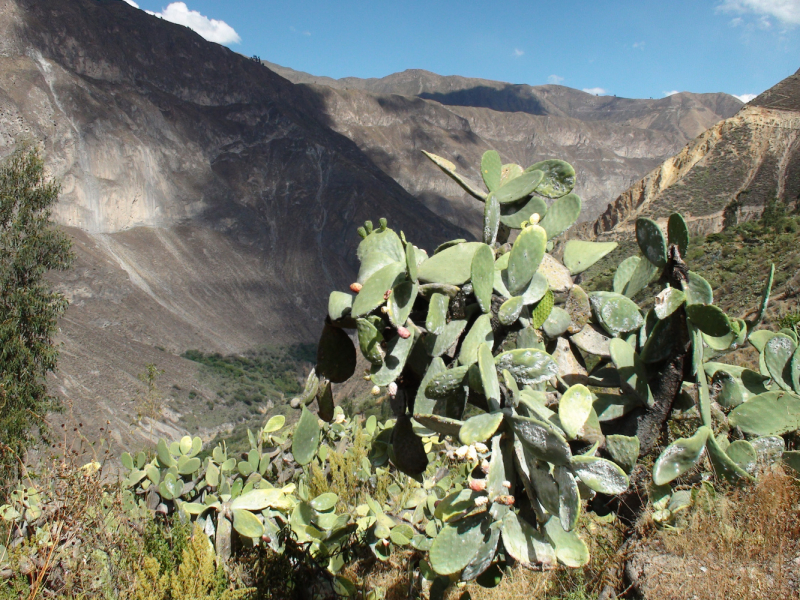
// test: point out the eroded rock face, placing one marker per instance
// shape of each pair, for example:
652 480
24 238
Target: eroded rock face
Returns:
725 175
610 141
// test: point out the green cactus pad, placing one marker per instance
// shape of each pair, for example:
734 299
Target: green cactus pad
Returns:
514 215
491 166
569 497
187 466
764 300
482 276
401 301
450 169
612 406
794 371
659 343
509 311
411 262
559 177
372 263
641 277
424 403
542 310
680 456
396 356
445 245
500 470
536 289
247 524
339 305
615 312
743 454
385 242
724 466
480 428
571 551
480 332
527 365
509 171
437 313
165 458
409 452
370 340
542 440
557 322
778 352
599 474
525 544
306 437
454 505
772 413
697 290
525 256
580 255
624 272
668 301
456 544
484 557
574 408
374 289
336 355
324 404
709 319
678 233
491 220
529 338
451 266
624 450
436 345
760 338
590 339
518 188
308 395
259 499
561 215
651 241
445 383
491 387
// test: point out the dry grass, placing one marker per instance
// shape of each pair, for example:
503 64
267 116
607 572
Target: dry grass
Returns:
740 546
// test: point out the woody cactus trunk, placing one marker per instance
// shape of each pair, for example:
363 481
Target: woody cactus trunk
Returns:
493 341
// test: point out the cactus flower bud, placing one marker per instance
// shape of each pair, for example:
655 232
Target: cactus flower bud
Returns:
386 294
384 309
481 501
355 287
481 447
485 466
477 485
266 539
376 391
403 333
392 389
534 220
472 454
385 542
506 500
507 485
462 451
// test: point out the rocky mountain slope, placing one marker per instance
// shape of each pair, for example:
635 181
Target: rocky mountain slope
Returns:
728 174
611 141
213 203
209 208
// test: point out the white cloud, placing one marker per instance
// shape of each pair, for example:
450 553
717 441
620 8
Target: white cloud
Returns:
518 52
211 29
736 22
639 45
597 91
673 92
786 11
132 3
555 79
745 97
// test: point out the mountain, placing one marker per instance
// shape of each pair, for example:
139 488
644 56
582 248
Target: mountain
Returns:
726 175
214 203
209 207
611 141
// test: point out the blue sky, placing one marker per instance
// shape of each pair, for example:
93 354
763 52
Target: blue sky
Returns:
635 49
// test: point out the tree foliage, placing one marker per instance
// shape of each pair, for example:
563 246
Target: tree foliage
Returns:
30 247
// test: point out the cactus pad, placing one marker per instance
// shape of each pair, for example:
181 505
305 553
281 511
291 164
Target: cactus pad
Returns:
306 437
450 266
450 169
480 427
580 255
771 413
678 233
571 550
542 440
456 544
709 319
615 312
525 256
651 241
527 365
482 276
624 450
561 215
599 474
574 408
559 177
518 188
514 215
491 166
491 220
680 456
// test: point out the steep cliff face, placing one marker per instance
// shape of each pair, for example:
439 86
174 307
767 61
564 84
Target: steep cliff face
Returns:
210 207
726 175
610 141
